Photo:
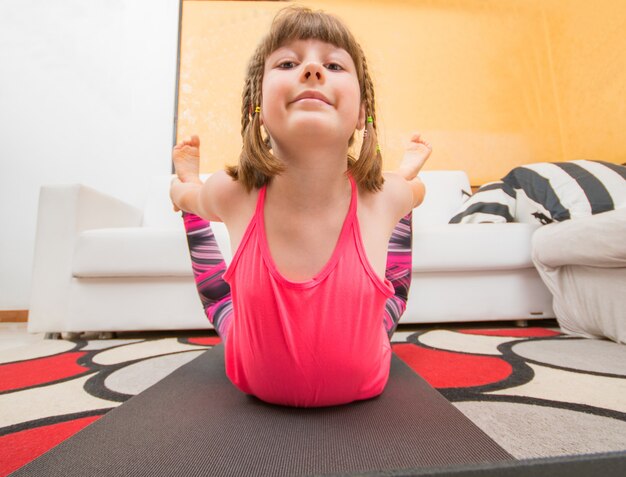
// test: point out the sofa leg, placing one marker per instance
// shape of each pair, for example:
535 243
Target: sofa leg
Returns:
52 336
521 323
107 335
70 335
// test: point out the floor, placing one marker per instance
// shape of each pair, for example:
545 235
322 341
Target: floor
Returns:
14 335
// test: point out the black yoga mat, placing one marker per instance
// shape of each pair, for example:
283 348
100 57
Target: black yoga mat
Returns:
195 422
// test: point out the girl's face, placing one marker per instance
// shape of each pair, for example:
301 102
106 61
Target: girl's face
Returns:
311 90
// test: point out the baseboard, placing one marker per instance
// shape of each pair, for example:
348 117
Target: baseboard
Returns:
13 316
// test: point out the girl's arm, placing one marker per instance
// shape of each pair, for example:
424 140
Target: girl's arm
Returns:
415 156
187 190
418 189
207 200
186 195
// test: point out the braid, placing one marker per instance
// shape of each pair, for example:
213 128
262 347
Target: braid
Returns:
256 164
246 102
368 88
368 169
249 96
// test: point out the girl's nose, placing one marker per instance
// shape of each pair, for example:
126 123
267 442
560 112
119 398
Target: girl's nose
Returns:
313 71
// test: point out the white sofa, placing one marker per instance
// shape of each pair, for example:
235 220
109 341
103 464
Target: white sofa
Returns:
103 265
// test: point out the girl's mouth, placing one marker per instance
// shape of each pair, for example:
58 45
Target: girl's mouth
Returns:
311 95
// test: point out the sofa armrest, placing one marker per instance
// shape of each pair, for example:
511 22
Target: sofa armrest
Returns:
63 213
595 241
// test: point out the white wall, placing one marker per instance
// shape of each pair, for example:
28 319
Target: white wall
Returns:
87 91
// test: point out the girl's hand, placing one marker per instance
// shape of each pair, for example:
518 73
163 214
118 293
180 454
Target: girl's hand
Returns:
417 152
186 158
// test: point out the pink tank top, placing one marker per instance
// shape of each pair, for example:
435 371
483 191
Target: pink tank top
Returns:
321 342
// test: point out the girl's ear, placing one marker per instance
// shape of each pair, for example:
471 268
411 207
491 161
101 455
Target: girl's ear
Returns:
361 121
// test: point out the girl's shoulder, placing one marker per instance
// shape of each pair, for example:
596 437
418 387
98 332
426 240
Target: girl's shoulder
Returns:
220 180
228 195
396 191
394 200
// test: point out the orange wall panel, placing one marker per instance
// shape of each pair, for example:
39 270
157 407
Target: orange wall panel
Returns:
491 83
588 46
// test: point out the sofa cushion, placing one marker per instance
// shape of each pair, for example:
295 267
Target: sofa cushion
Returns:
560 191
583 263
493 203
131 252
472 247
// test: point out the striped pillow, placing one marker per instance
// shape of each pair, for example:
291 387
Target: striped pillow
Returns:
493 203
549 191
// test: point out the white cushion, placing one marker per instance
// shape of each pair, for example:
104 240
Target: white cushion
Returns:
132 252
471 247
594 241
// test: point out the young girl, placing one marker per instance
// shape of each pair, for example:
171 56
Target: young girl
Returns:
308 304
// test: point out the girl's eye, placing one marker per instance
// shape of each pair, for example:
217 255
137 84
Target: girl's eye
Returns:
334 67
285 65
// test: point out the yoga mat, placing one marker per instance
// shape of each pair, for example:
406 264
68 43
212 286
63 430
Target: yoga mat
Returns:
608 464
195 422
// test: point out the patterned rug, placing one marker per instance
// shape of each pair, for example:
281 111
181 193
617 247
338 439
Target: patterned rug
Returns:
535 391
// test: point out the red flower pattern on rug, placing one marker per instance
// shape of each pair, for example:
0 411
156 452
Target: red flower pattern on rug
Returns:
23 446
14 376
514 332
445 369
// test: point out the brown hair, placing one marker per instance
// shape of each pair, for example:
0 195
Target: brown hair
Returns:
257 165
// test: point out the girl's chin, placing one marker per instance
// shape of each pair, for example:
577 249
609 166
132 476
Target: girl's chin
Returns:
313 135
313 125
